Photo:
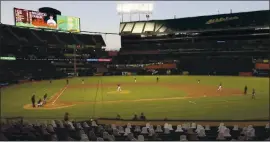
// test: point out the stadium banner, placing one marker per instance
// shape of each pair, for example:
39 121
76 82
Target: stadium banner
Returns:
133 73
263 73
3 84
162 66
126 73
262 66
8 58
104 60
98 74
113 53
68 23
245 73
185 73
36 19
98 60
265 61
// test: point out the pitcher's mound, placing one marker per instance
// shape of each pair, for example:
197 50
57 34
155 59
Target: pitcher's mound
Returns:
49 106
119 92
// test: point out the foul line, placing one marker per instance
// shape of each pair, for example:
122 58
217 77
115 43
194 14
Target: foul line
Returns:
58 95
125 101
192 102
29 106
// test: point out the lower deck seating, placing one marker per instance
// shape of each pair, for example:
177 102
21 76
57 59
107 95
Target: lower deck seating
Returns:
90 131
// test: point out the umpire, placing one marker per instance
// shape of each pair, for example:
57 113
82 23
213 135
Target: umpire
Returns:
45 99
245 90
33 99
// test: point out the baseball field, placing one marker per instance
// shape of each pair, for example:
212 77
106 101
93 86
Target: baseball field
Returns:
173 97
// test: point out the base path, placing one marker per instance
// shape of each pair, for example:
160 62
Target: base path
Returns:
198 90
54 98
51 103
61 104
49 106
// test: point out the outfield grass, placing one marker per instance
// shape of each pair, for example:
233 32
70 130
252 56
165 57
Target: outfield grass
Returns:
214 107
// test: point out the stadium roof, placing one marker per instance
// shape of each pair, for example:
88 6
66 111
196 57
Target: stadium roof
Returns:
221 21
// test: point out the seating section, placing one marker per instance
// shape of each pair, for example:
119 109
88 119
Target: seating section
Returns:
24 36
15 71
91 131
67 38
89 40
8 37
99 39
47 36
28 35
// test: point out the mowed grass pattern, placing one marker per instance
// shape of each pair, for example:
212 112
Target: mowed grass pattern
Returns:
214 108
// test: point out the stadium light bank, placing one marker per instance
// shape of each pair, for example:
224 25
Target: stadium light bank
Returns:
135 8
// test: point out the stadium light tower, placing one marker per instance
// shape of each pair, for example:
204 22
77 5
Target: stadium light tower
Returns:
135 8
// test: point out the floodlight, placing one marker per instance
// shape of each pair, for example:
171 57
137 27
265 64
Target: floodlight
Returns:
128 8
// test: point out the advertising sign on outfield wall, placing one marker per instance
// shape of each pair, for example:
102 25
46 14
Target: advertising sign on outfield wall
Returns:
262 66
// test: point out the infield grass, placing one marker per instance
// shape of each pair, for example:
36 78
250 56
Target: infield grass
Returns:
240 107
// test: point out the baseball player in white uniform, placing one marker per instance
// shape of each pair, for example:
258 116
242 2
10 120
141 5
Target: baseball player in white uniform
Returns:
119 88
219 87
135 80
82 81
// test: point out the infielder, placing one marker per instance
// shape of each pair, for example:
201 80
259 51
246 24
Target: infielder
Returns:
253 94
82 81
45 98
245 90
33 100
135 80
119 88
219 87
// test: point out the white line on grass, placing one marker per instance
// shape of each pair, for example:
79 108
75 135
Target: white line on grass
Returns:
192 102
60 94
